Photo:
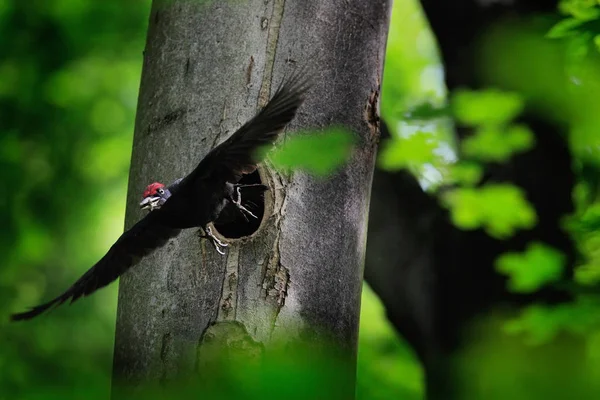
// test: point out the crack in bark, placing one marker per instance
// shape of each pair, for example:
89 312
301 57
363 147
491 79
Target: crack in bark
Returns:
272 40
276 278
221 131
165 348
249 71
186 69
216 139
228 302
371 115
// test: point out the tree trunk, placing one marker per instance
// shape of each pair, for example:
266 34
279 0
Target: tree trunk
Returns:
208 66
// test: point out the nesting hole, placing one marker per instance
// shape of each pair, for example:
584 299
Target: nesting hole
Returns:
231 223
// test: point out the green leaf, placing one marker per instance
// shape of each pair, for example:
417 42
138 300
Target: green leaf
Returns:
500 209
466 173
588 221
494 143
565 27
416 149
426 111
580 9
318 153
490 106
529 271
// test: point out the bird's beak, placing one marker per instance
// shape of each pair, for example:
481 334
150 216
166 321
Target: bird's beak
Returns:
150 203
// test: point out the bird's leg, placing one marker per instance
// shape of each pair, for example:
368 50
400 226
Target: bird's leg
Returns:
241 212
214 240
238 201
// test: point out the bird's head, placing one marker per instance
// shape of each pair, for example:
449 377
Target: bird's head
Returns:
155 196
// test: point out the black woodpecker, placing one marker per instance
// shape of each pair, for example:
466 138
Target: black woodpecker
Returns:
196 200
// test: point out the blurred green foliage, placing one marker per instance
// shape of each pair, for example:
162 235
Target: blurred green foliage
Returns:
572 99
548 69
485 107
416 149
529 271
491 112
504 364
541 323
69 76
319 153
387 366
580 25
501 209
497 143
309 371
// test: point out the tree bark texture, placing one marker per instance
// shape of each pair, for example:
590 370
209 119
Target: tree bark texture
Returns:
440 278
208 66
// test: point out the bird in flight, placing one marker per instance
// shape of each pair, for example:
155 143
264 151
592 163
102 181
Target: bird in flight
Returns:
196 200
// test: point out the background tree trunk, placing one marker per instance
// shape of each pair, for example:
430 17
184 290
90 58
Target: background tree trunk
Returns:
439 279
208 65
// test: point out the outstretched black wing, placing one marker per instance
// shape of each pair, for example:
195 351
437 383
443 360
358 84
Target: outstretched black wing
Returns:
143 238
236 156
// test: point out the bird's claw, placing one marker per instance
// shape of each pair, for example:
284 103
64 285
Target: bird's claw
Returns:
215 240
221 252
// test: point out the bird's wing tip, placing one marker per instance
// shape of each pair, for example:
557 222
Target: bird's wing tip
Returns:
24 315
35 311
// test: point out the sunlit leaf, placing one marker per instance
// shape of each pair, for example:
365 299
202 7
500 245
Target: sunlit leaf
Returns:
580 9
532 269
426 111
565 27
466 173
318 153
416 149
496 143
500 209
482 107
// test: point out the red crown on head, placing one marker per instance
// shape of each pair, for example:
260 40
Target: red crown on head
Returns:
152 188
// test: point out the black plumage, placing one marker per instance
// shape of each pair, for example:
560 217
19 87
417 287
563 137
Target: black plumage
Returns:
196 200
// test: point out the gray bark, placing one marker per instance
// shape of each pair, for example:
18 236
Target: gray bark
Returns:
208 65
